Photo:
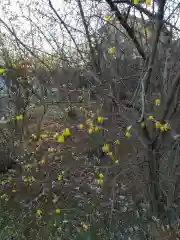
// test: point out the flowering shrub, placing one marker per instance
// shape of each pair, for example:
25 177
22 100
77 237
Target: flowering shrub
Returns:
61 185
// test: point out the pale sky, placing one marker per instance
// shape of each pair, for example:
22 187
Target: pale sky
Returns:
12 7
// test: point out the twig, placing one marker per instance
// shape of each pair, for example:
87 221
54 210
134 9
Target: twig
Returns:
128 29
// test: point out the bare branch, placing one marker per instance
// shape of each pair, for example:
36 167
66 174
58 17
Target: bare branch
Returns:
158 27
64 24
128 29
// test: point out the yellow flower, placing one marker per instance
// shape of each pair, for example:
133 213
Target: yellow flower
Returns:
101 175
14 184
25 179
14 190
43 161
136 1
2 71
150 118
100 119
117 142
56 135
157 124
60 139
58 211
142 124
88 121
81 126
106 148
4 196
162 128
116 161
96 129
110 154
39 212
157 102
60 177
28 166
99 181
66 132
165 127
128 134
20 117
85 227
107 18
111 51
90 130
148 2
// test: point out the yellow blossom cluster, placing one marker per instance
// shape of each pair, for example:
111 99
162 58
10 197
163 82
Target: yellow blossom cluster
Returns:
163 127
61 138
128 132
100 179
60 177
100 119
42 161
19 117
106 150
147 2
111 50
28 166
150 118
58 211
29 179
107 18
39 211
91 126
66 132
81 126
142 124
85 226
4 196
8 180
158 102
